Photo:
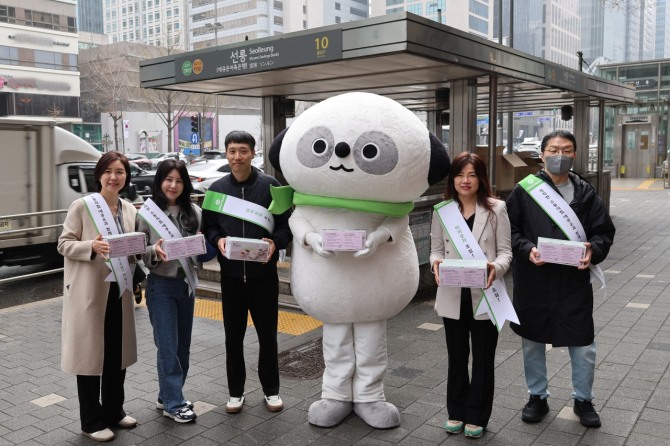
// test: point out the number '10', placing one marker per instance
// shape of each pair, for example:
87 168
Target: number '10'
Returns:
321 43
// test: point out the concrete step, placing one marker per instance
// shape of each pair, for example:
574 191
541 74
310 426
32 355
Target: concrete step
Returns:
209 283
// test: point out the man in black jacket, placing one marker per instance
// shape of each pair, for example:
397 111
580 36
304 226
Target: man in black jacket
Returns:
554 302
247 286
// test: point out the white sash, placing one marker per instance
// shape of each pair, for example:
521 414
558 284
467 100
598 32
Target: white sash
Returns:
498 304
163 226
238 208
562 214
105 224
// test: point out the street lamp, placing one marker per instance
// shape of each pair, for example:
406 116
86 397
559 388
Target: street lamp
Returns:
215 26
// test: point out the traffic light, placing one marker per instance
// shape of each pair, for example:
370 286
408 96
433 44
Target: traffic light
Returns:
195 124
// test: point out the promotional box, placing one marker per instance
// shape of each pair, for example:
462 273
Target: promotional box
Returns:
251 249
463 273
343 239
185 247
563 252
127 244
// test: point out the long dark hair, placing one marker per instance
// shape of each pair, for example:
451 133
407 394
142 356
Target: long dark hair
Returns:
189 220
103 163
483 192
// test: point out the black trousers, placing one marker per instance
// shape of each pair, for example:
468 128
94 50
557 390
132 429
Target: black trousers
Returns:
258 296
470 400
94 415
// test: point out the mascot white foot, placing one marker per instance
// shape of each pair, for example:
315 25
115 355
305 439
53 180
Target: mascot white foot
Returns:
355 162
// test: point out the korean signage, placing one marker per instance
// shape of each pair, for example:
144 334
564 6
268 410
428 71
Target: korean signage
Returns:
558 76
263 56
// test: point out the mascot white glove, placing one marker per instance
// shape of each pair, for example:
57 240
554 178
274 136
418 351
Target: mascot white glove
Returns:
314 240
375 238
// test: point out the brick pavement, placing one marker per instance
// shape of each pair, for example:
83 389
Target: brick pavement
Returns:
38 404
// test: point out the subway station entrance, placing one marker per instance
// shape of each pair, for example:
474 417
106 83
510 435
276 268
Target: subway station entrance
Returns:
450 75
446 74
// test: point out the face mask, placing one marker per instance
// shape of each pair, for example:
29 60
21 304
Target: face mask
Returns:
558 164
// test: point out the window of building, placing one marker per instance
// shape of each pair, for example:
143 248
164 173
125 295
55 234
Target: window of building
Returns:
278 20
478 24
279 6
394 10
7 14
9 55
337 6
338 19
415 9
479 9
394 2
358 12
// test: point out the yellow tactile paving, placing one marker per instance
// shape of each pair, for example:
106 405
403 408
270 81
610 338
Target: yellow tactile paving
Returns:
289 323
646 184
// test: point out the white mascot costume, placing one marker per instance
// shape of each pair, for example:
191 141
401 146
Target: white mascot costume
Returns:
355 161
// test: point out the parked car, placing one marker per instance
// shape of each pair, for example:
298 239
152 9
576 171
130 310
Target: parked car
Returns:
209 155
142 179
258 162
140 159
163 156
530 148
206 170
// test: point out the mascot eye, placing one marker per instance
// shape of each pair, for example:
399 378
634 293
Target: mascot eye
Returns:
370 151
319 146
375 153
315 147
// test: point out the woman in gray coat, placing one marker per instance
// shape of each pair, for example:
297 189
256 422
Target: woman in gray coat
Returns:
98 329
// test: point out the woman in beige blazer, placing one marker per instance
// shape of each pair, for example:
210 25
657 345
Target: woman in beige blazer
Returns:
98 329
470 400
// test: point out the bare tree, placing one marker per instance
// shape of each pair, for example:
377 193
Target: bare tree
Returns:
629 5
104 81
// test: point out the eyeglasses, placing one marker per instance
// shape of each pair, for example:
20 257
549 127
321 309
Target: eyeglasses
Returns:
566 150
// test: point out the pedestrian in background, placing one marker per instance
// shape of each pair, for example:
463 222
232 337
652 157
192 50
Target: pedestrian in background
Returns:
247 286
98 328
554 302
470 400
171 283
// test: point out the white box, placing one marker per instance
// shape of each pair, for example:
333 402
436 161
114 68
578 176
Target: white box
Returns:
250 249
343 239
185 247
463 273
127 244
563 252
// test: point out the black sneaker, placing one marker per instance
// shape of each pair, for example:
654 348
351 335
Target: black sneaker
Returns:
182 415
535 410
586 413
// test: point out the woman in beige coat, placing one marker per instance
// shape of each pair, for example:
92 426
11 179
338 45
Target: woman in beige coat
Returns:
470 400
98 329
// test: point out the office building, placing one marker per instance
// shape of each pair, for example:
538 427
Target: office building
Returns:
38 59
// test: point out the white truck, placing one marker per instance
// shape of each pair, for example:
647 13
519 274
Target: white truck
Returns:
43 169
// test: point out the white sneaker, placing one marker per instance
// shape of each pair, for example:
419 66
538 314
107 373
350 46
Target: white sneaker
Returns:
103 435
274 403
127 422
235 404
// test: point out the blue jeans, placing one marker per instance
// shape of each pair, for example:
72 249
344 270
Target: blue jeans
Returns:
171 313
582 360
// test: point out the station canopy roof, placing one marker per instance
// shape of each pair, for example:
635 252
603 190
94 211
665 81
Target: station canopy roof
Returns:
403 56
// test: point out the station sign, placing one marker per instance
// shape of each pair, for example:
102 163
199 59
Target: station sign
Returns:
266 55
571 80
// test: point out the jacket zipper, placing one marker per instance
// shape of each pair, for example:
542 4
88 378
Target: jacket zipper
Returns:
244 262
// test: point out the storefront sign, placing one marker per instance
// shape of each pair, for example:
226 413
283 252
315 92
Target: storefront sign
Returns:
637 119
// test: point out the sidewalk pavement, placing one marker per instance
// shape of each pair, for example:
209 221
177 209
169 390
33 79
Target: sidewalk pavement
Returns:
38 402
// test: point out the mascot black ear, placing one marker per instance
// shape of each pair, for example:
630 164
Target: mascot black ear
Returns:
275 148
439 161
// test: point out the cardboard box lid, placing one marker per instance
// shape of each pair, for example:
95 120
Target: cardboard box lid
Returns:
514 160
